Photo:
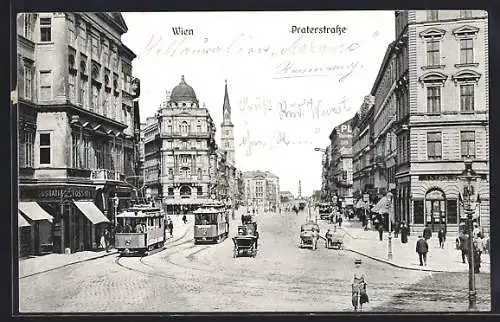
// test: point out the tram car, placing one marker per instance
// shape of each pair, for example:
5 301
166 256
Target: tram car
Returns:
140 229
211 223
324 211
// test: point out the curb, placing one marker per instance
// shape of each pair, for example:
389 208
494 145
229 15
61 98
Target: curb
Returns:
378 259
113 252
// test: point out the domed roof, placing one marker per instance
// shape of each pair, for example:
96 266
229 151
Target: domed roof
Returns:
183 92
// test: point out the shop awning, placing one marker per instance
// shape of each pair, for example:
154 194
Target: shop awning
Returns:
21 222
33 211
90 210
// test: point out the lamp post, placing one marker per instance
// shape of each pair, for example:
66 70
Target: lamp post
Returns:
467 176
389 238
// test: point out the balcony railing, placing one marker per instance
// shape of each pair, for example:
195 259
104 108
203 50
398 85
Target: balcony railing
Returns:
105 174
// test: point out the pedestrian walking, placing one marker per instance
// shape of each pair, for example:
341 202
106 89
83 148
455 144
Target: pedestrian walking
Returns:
397 226
476 252
380 232
359 294
171 228
184 218
327 238
107 239
315 235
427 232
340 221
404 233
102 241
463 240
422 248
441 237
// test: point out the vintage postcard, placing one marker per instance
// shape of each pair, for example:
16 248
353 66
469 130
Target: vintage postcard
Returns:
312 161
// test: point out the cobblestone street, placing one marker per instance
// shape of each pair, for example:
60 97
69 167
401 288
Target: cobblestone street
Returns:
282 277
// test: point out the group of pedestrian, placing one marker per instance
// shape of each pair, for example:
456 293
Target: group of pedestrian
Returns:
477 246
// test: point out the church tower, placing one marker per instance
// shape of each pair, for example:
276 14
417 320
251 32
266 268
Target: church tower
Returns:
227 135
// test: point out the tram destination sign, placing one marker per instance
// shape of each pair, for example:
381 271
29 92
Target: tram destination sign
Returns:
44 193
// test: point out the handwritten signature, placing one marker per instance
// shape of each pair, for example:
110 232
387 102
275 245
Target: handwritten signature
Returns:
294 109
279 138
244 44
289 69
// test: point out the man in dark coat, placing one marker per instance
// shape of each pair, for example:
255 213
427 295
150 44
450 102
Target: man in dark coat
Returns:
427 232
464 245
441 237
422 248
171 228
380 231
404 233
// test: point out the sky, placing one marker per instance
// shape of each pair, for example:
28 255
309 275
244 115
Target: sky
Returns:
287 90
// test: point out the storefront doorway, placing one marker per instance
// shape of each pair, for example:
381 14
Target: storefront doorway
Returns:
435 209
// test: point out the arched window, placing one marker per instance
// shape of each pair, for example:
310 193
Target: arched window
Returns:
184 127
435 209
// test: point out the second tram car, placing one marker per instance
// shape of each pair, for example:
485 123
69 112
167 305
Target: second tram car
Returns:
211 223
140 229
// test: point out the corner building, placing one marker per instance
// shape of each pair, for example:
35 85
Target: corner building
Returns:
77 133
443 117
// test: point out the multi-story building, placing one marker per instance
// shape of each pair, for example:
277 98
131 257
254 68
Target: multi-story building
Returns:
327 187
341 163
262 190
77 131
444 119
183 165
362 151
180 151
384 138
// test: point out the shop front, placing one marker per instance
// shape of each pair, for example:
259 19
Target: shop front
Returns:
76 217
35 228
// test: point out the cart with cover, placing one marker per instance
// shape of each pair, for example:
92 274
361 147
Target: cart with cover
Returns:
306 234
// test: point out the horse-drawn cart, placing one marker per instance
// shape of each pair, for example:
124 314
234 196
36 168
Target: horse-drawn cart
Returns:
335 239
245 243
307 234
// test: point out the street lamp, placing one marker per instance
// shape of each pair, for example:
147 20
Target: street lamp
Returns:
466 178
389 238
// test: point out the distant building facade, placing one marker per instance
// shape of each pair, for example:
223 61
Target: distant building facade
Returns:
341 169
262 190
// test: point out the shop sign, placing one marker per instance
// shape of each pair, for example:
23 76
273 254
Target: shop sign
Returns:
44 193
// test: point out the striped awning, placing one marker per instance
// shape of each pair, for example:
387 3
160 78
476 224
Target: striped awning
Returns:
33 211
21 222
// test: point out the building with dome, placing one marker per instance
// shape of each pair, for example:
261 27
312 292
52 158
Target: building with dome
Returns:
183 166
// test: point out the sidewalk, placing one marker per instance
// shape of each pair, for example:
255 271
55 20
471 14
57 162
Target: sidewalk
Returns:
367 243
45 263
40 264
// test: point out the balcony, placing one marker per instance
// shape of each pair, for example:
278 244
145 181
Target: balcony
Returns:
106 175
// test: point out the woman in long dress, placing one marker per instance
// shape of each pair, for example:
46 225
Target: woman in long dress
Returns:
102 241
